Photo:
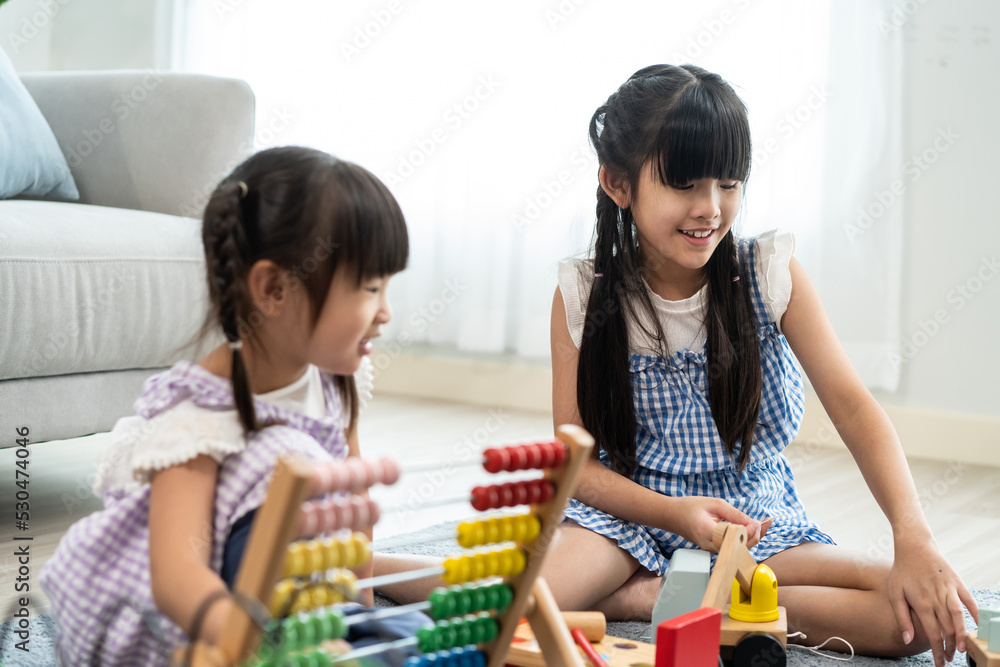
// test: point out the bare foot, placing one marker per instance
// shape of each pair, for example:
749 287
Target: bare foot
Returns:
634 600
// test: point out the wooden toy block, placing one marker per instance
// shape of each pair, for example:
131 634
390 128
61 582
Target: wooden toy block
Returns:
690 640
524 650
978 653
683 585
985 625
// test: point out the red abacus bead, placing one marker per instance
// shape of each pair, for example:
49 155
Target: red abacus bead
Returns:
485 498
518 458
534 455
548 490
506 495
559 453
521 494
390 472
548 455
495 460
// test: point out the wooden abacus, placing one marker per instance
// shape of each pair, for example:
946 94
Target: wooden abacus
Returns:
474 624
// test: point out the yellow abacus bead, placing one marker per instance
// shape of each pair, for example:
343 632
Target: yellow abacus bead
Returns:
519 528
471 534
362 550
507 528
315 556
493 530
456 570
492 562
352 553
295 560
505 564
533 528
282 591
477 570
329 554
346 586
518 560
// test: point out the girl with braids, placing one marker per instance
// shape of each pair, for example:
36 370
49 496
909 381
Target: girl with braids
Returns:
299 249
674 347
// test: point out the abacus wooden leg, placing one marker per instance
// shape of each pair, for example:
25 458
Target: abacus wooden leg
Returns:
550 630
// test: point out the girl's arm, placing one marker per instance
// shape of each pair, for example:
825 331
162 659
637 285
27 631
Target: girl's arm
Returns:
181 506
921 579
694 518
368 595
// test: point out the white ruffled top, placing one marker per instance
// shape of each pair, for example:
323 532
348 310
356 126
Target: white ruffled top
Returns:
140 446
683 321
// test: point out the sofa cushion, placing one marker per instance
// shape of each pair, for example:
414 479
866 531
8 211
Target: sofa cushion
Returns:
92 288
32 163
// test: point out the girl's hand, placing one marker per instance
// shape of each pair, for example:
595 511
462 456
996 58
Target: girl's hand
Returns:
922 581
698 516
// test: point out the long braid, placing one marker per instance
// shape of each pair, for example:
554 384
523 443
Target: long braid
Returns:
228 260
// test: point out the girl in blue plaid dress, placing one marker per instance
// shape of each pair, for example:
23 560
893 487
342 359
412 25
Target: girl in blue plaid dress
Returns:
299 249
674 345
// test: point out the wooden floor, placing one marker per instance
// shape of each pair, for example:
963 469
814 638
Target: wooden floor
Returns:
960 501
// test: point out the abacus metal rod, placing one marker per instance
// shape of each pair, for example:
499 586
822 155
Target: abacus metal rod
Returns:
374 649
439 465
431 504
386 612
399 577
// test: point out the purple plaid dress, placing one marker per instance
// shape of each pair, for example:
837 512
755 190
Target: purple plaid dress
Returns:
98 581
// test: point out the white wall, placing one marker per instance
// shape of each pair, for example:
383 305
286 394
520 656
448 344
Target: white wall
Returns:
952 222
86 34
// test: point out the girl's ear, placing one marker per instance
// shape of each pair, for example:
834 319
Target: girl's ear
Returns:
614 186
268 285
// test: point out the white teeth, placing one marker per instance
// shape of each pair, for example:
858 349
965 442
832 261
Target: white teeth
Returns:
697 235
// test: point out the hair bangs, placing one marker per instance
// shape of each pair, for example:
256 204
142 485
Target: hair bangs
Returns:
703 135
371 223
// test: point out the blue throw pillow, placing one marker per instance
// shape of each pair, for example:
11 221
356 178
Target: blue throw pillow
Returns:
30 160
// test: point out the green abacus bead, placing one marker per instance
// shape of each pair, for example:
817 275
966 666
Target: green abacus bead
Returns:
294 639
462 602
427 639
477 630
463 634
491 597
506 595
447 637
338 625
442 603
479 599
491 628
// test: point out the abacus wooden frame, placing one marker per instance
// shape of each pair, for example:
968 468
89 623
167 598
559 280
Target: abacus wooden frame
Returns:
274 527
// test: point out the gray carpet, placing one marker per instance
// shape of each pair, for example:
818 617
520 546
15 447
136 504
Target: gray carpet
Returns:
41 651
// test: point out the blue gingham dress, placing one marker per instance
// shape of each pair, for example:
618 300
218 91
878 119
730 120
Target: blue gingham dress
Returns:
98 580
679 451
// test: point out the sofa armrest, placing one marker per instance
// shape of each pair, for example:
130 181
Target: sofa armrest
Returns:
147 140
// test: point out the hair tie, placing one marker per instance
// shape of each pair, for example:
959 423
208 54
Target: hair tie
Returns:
735 278
598 275
243 189
236 345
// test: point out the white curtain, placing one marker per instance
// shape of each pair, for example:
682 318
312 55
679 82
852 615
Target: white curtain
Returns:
476 115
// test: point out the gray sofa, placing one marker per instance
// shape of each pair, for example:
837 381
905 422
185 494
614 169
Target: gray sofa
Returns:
97 295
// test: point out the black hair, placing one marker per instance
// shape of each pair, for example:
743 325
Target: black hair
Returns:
309 213
688 124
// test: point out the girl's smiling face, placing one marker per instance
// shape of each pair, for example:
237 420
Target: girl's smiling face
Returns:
352 316
668 218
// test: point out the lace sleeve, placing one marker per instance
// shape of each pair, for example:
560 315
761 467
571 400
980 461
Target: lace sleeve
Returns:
575 293
774 252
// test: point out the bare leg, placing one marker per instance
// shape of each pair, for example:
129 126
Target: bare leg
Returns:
587 571
408 591
830 591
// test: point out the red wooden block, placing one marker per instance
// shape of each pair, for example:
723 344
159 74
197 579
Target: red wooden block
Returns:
689 640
